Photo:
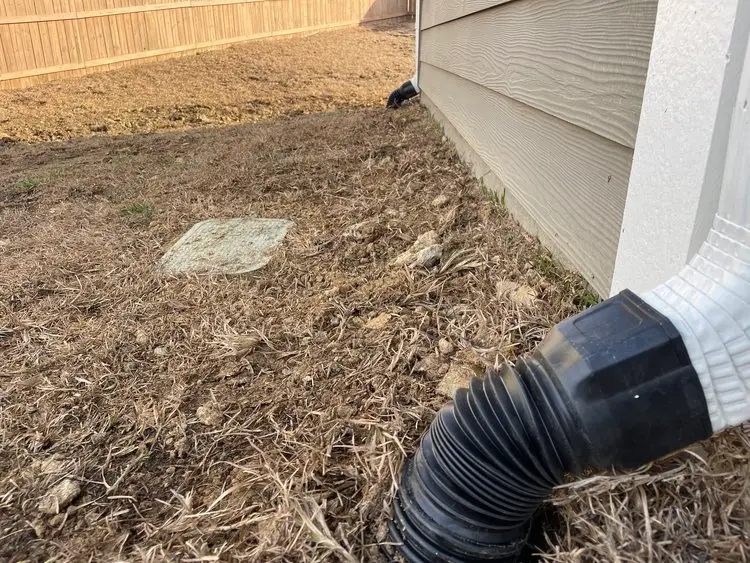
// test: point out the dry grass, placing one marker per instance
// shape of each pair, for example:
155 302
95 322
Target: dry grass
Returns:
264 417
246 83
310 412
694 506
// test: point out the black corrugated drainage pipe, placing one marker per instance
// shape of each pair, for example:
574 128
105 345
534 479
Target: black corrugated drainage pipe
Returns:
611 387
404 92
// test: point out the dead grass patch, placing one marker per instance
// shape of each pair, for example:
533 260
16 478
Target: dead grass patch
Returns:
266 417
246 83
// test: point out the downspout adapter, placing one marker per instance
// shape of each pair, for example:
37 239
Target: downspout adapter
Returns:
611 387
404 92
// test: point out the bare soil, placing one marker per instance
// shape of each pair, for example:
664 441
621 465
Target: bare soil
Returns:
245 83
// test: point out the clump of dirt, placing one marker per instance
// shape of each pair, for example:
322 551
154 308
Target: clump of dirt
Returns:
246 83
266 416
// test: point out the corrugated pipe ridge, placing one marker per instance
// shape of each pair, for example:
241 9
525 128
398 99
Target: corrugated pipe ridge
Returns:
487 462
611 387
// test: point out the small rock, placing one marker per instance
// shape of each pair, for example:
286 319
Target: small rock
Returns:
459 376
209 414
521 295
425 240
428 257
441 201
59 497
379 322
445 347
141 338
160 351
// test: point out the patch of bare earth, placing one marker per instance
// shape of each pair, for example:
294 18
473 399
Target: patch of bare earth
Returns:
246 83
266 417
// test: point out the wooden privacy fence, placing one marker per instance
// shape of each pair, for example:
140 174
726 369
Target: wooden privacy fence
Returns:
47 39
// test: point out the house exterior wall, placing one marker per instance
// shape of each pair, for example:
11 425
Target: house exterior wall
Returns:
545 95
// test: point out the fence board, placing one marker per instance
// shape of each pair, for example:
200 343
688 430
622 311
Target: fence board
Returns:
45 39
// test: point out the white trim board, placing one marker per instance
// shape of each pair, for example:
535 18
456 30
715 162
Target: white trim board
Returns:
696 62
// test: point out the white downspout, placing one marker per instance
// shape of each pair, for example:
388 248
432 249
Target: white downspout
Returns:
709 300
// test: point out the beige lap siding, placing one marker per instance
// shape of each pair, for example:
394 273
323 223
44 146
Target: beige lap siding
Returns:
548 94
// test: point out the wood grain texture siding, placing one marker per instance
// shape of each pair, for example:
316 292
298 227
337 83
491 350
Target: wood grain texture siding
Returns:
435 12
584 61
572 182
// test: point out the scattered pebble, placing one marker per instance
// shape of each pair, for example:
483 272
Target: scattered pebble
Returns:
141 338
423 242
428 257
59 497
441 201
379 322
160 351
459 376
445 347
209 414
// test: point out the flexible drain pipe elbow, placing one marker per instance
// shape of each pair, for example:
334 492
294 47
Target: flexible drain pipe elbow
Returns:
404 92
621 384
611 387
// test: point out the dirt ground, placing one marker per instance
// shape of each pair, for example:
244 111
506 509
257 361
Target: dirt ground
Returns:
266 417
246 83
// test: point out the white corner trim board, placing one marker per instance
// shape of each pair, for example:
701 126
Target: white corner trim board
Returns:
696 61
